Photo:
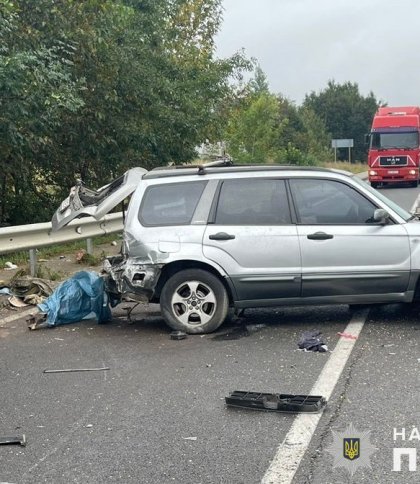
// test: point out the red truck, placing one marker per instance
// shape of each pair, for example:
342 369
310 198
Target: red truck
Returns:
394 152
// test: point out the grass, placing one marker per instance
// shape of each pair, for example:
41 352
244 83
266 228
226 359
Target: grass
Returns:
22 257
345 165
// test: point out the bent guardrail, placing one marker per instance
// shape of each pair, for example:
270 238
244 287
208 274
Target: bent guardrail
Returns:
33 236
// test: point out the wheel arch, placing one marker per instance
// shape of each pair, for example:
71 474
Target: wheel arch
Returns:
172 268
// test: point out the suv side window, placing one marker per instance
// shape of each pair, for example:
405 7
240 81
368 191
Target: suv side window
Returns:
254 201
170 204
320 201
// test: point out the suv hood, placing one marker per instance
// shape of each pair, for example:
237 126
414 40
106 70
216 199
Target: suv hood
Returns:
84 202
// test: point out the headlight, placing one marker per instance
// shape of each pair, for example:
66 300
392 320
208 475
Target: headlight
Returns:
372 172
412 172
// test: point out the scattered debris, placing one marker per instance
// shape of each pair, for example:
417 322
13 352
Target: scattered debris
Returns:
312 341
62 257
34 299
276 402
5 291
17 302
72 370
37 321
29 290
189 438
80 254
253 328
13 440
232 334
347 335
89 426
178 335
114 243
129 310
9 266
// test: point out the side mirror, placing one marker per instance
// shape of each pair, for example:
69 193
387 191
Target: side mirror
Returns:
381 216
367 139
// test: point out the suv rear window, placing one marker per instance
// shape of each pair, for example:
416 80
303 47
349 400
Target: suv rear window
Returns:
170 204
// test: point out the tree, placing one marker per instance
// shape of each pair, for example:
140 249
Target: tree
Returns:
346 113
264 127
254 129
108 84
36 88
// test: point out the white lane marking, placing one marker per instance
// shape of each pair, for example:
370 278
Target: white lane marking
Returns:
291 451
19 315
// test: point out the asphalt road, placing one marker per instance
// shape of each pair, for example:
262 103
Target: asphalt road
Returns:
158 414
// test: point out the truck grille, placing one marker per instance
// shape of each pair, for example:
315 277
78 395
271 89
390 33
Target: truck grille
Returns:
392 160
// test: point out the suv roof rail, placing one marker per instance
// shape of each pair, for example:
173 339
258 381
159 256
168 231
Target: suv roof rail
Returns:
221 166
201 168
221 162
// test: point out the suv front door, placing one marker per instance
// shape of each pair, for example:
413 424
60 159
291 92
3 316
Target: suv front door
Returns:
343 252
250 235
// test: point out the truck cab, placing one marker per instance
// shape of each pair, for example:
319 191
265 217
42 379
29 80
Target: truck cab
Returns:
394 146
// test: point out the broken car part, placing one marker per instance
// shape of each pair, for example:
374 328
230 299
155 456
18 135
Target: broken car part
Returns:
312 341
276 402
13 440
82 201
72 370
178 335
37 321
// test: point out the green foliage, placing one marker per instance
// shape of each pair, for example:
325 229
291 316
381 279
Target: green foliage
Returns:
253 129
346 113
89 89
265 128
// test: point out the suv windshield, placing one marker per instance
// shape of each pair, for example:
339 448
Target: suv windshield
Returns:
394 140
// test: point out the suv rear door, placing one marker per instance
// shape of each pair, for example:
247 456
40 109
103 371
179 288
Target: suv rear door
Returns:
250 235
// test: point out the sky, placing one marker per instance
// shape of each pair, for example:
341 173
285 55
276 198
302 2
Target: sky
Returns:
301 44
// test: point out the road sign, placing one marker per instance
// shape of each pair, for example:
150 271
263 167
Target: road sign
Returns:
342 143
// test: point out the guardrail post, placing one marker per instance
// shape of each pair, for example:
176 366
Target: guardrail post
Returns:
89 246
32 262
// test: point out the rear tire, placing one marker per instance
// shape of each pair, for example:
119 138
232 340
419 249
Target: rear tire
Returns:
194 301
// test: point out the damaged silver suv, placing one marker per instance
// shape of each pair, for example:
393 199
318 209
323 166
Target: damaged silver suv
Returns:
201 239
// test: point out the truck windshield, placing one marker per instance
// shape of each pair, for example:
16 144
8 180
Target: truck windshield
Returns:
394 140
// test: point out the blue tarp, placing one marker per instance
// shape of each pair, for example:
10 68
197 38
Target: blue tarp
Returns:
76 298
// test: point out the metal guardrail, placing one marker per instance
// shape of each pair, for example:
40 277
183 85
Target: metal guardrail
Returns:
33 236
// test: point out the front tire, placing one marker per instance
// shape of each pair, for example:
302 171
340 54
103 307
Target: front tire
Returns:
374 184
194 301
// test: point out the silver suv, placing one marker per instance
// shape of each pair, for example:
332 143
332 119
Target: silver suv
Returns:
201 239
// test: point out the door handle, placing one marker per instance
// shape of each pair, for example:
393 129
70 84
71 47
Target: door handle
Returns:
320 236
221 236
